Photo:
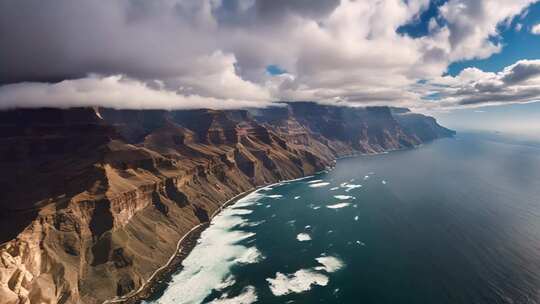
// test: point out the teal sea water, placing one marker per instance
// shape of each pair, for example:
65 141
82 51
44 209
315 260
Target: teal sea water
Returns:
454 221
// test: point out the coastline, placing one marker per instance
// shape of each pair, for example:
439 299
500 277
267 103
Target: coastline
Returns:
186 244
183 248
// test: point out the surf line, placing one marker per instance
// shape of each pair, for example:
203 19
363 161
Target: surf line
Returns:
179 246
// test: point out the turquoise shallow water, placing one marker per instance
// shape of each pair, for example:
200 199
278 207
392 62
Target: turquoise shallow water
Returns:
454 221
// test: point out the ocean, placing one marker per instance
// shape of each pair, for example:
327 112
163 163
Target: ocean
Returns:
454 221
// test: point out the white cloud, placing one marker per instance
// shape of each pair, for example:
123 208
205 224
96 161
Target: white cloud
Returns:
116 91
471 24
196 53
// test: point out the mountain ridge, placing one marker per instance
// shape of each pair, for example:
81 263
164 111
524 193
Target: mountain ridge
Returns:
96 198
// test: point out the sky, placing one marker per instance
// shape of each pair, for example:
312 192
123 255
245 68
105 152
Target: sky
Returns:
450 58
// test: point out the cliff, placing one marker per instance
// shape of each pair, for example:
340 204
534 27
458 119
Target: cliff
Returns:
93 201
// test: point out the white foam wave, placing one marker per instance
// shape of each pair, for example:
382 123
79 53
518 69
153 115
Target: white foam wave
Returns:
275 196
334 188
235 211
356 218
228 282
298 282
250 256
318 185
303 237
247 200
348 187
343 197
296 197
383 182
209 264
315 181
338 205
297 179
247 296
252 224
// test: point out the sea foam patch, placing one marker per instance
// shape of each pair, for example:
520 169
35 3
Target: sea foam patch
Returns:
303 237
315 181
348 187
318 185
247 200
314 207
343 197
251 224
247 296
329 264
297 282
238 211
204 269
338 206
275 196
250 256
228 282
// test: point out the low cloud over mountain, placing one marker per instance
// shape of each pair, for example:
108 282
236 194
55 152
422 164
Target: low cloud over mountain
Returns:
215 53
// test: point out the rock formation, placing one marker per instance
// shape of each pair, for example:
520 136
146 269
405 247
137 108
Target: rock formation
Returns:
94 200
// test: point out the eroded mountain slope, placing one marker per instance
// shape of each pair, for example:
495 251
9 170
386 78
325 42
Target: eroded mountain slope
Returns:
95 200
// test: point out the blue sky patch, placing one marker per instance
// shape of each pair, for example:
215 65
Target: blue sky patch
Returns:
275 70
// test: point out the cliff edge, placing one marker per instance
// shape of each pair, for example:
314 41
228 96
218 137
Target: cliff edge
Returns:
94 200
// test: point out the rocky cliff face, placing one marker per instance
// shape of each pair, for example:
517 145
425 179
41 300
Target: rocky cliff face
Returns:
93 201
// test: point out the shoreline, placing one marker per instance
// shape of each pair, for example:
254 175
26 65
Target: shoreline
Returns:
186 244
183 248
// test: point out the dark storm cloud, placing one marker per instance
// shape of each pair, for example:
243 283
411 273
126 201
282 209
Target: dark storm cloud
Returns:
521 72
525 95
44 40
257 11
305 8
518 83
55 40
